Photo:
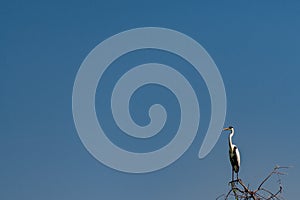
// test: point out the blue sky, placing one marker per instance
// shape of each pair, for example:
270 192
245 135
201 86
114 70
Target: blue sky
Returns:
255 45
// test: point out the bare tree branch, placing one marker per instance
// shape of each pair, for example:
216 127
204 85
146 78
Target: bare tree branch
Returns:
239 191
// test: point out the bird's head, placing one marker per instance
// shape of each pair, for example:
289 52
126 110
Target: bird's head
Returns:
230 128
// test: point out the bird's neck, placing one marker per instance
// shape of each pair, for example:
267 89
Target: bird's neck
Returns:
230 139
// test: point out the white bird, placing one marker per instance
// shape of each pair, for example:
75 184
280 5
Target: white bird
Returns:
234 154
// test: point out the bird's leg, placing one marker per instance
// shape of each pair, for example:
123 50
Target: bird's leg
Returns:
233 187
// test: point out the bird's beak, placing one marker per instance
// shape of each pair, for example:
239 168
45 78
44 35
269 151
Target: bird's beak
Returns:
226 129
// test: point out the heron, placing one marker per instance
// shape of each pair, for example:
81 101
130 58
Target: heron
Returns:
234 154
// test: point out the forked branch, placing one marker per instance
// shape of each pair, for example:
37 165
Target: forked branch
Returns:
239 191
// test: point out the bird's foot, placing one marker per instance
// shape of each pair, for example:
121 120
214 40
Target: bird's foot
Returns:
234 181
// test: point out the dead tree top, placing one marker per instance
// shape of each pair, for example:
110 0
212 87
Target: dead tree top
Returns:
239 190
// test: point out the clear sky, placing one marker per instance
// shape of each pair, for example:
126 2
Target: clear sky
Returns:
255 44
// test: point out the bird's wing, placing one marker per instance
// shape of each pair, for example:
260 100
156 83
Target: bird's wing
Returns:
238 157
